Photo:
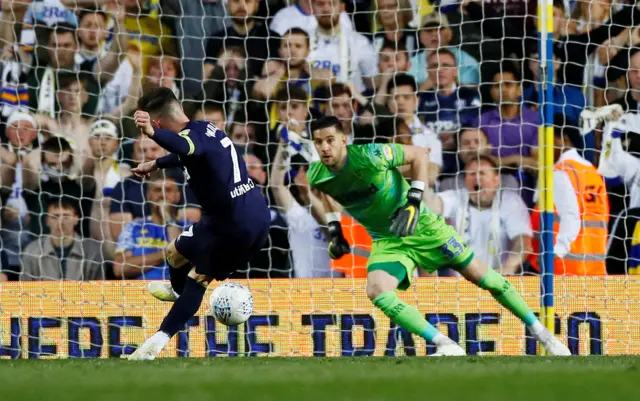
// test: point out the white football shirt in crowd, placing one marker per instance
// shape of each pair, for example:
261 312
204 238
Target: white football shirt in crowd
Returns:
295 17
308 244
618 162
514 221
116 90
348 54
426 138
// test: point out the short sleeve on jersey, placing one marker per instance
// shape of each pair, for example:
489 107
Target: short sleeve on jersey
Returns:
385 156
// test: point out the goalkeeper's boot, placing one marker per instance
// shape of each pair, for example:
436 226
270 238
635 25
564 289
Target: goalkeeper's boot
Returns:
147 351
163 291
552 345
449 349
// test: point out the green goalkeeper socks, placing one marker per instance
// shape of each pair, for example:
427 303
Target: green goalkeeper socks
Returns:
407 317
507 296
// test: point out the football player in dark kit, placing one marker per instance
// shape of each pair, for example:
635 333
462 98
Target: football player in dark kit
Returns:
235 217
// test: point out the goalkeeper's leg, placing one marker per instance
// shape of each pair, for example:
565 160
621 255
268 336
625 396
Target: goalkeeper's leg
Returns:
185 307
501 289
381 290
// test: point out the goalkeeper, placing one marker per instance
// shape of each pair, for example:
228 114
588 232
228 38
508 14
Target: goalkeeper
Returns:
367 182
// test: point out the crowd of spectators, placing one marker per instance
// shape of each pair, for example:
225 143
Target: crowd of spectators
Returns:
460 79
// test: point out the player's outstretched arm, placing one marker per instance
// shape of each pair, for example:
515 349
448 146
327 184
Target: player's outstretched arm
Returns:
405 219
171 160
144 169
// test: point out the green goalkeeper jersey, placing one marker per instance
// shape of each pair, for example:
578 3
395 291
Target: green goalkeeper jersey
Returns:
369 187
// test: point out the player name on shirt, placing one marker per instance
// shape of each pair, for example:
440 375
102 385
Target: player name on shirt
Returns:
242 189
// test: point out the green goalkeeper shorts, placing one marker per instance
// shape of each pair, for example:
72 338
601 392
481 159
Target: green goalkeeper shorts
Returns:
434 245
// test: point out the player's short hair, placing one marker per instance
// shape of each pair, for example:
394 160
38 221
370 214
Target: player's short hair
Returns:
296 31
291 93
326 122
157 101
402 80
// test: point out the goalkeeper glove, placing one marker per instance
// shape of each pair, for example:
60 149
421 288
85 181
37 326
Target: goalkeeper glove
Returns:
405 219
338 245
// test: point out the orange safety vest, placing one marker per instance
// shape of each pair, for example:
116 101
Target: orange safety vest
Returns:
587 253
354 264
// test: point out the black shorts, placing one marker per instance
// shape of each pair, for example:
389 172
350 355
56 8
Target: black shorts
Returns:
217 255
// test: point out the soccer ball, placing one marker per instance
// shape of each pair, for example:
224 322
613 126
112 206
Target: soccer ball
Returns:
231 304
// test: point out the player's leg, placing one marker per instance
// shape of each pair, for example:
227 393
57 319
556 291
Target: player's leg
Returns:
389 270
501 289
179 268
184 308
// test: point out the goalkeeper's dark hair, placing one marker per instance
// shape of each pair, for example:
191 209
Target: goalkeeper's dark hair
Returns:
402 80
157 101
326 122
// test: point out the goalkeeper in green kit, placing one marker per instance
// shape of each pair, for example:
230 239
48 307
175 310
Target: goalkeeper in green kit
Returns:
366 181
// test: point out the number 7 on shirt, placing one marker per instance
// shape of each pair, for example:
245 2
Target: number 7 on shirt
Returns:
226 142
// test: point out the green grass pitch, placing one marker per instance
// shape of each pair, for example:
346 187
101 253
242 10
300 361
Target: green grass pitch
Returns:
326 379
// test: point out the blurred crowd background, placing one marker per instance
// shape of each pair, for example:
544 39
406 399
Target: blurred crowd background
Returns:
458 78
